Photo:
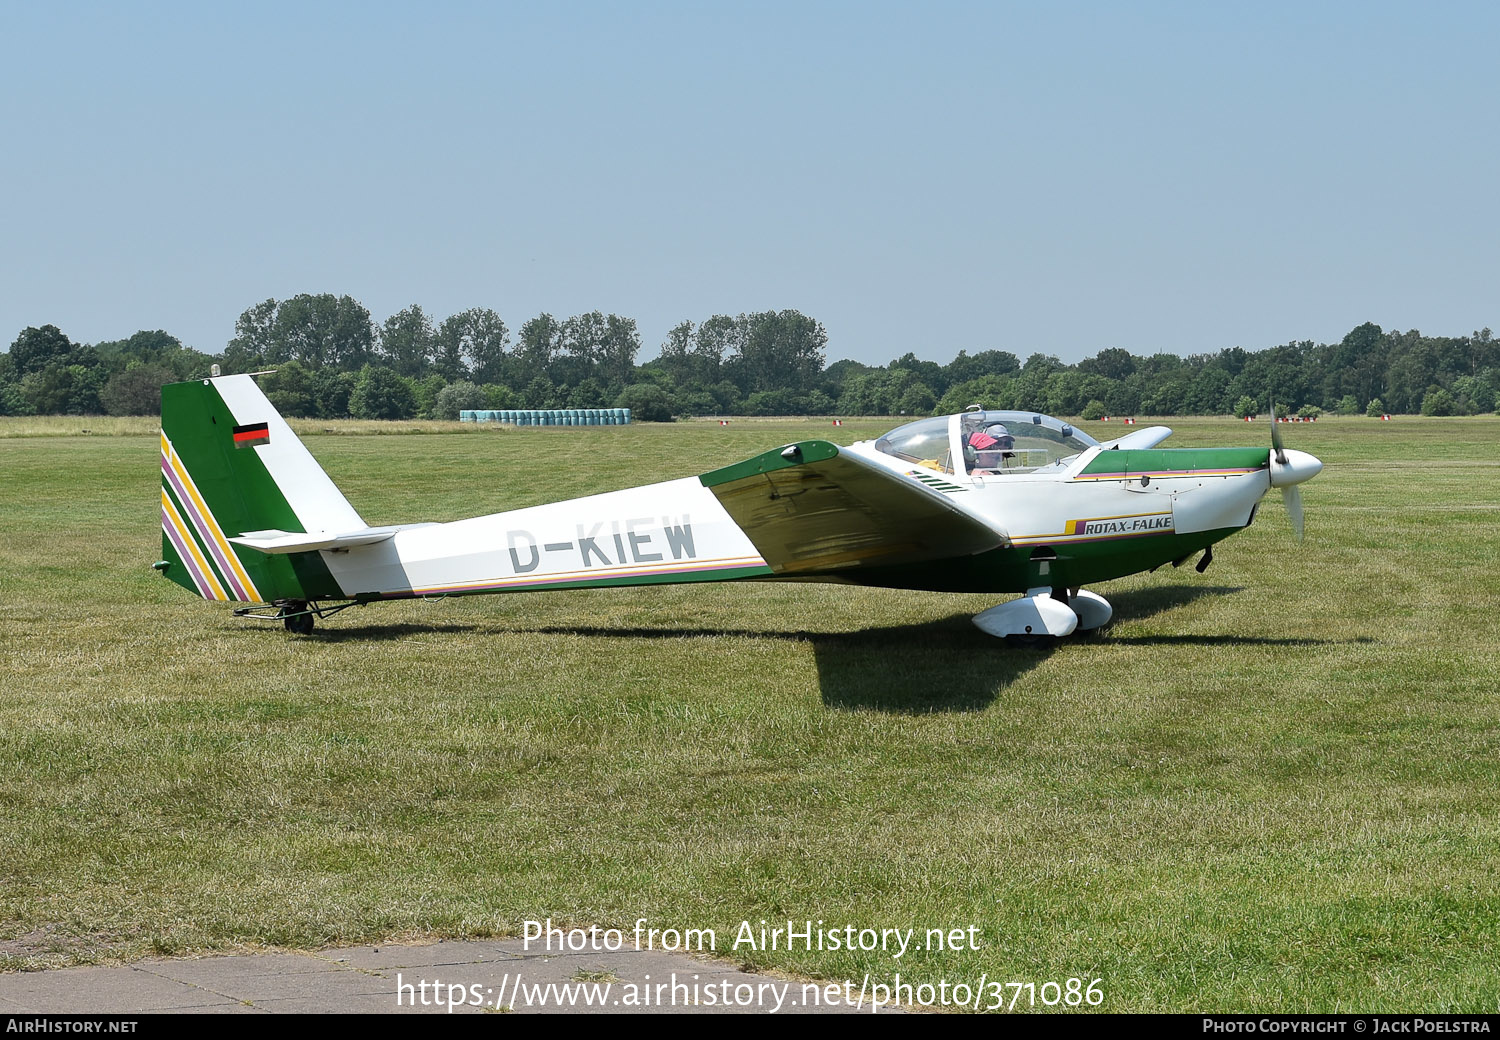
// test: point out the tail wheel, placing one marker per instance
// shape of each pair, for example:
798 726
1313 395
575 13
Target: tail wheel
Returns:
297 618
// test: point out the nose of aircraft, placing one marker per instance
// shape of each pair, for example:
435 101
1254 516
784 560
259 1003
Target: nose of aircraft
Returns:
1299 466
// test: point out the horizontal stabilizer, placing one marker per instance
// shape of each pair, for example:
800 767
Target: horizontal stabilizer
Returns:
279 542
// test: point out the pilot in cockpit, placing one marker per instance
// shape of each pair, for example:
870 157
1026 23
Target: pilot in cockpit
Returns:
993 449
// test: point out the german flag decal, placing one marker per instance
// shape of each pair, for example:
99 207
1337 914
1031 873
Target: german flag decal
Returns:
250 436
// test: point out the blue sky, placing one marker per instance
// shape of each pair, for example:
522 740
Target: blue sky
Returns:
1027 177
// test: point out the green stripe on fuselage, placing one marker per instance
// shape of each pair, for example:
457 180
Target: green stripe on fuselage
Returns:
1163 460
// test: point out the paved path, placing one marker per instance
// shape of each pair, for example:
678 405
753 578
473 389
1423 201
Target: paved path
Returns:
495 975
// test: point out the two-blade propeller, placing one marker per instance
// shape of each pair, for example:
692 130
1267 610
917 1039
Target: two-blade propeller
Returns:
1288 469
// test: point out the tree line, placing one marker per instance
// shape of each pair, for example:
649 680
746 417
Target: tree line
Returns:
329 359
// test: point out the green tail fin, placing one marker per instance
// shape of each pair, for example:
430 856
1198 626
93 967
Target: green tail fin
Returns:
231 466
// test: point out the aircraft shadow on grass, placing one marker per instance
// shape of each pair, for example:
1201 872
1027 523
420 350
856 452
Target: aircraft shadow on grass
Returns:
911 669
1151 600
949 665
944 665
349 633
1148 602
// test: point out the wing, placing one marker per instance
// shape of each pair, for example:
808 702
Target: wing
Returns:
1150 437
811 509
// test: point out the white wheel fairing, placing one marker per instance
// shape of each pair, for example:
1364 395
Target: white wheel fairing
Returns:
1093 610
1034 615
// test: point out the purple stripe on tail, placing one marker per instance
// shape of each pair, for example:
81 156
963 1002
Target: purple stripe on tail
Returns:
204 530
204 589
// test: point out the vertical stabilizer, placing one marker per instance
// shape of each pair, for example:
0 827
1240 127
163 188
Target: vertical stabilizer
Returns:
230 465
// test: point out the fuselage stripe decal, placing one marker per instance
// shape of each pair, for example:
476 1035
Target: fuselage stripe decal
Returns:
593 574
188 549
1074 539
1154 473
1078 530
207 525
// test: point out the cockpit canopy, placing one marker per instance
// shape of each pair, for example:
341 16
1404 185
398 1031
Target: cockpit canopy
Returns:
986 442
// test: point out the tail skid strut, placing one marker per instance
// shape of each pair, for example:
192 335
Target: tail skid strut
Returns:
295 614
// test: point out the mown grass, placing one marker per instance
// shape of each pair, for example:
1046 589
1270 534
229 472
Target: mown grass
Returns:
1269 787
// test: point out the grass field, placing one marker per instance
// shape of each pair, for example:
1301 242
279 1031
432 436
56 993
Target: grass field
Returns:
1274 786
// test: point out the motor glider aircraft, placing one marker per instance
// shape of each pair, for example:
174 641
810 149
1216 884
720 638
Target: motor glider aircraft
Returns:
982 501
